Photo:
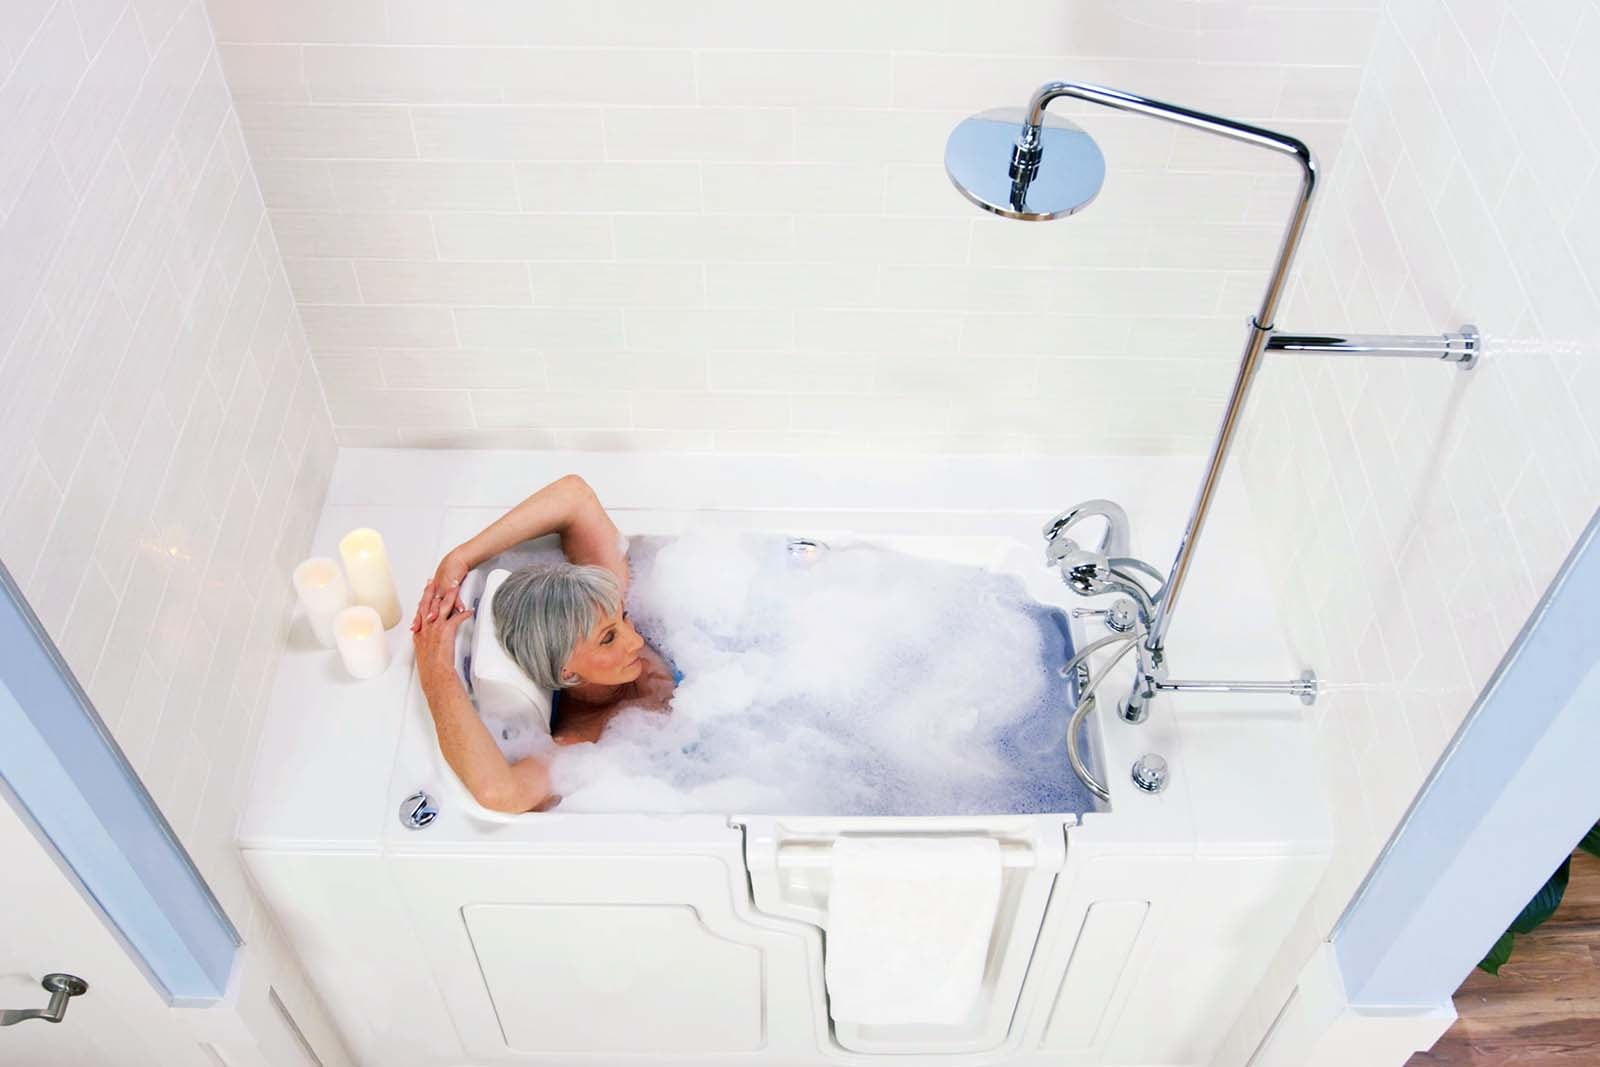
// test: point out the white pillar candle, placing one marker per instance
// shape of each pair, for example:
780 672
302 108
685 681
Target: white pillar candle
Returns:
323 594
363 647
367 566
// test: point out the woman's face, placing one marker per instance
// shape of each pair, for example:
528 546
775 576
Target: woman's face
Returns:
610 654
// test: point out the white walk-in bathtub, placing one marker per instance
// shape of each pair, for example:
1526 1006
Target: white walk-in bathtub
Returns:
1131 935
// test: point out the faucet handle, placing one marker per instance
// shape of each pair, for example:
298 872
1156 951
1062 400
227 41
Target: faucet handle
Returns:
1121 617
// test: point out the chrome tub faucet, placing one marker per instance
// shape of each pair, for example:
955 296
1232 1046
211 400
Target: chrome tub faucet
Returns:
1134 621
1114 542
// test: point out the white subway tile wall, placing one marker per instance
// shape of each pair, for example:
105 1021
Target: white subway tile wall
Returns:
715 224
1413 514
164 442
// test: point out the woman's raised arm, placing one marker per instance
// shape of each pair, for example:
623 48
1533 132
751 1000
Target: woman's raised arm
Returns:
567 506
463 739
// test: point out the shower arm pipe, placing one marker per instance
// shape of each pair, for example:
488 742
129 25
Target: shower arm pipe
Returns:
1261 324
1460 348
1306 687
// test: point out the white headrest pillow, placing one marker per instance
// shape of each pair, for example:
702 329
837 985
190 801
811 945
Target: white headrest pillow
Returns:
504 695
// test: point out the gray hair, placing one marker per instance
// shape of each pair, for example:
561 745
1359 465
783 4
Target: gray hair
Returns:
543 611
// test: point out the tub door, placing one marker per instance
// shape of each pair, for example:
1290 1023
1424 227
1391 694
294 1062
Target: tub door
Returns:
554 956
790 861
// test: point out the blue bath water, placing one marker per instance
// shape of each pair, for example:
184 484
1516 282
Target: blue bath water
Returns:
1038 742
1037 776
857 681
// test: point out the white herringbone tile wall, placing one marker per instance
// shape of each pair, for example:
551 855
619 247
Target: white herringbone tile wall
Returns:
720 224
1413 514
164 444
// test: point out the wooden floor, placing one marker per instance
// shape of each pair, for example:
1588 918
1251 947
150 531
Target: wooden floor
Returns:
1544 1008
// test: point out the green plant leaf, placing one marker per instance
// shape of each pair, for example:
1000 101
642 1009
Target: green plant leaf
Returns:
1544 902
1591 840
1498 954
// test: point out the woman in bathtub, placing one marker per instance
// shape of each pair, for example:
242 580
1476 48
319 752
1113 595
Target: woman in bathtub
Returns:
564 624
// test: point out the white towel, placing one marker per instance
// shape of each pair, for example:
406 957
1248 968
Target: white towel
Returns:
909 924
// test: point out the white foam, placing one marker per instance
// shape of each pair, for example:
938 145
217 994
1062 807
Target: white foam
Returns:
863 682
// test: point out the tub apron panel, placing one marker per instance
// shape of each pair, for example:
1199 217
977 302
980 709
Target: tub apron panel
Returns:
548 957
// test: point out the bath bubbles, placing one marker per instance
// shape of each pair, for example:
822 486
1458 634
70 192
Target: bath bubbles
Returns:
857 681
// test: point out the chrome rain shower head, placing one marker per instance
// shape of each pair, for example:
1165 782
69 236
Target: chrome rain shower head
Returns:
996 166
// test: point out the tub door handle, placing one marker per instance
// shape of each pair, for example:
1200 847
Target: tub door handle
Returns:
62 988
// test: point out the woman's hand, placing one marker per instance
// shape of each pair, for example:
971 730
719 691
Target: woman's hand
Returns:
435 639
444 591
